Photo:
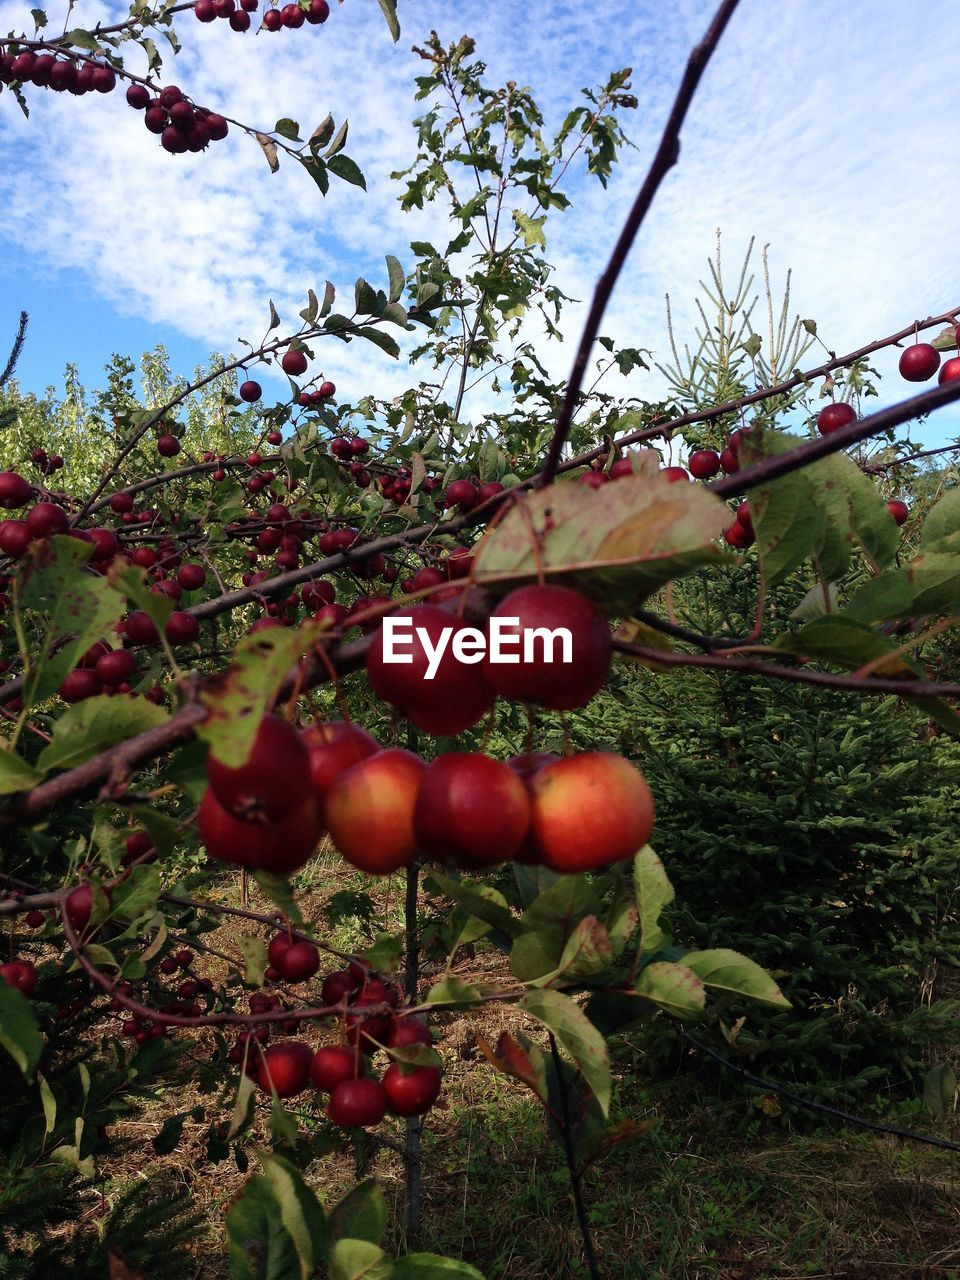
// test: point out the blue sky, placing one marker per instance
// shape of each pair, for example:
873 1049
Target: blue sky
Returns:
822 129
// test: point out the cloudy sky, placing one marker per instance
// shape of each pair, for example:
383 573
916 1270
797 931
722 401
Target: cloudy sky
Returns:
823 129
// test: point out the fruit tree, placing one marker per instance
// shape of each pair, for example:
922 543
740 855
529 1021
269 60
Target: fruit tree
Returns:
240 628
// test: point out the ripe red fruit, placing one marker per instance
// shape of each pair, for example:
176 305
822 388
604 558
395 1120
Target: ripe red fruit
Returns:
675 474
115 667
78 907
155 119
299 961
205 10
457 696
143 557
80 684
739 536
919 362
561 685
333 1065
181 628
325 389
14 490
292 15
277 946
274 778
588 810
34 919
45 519
729 462
21 975
408 1031
191 576
950 370
899 510
140 628
704 464
337 985
369 811
462 494
334 747
281 848
272 20
169 95
250 391
318 12
834 416
293 363
216 126
285 1068
593 479
15 537
412 1094
357 1104
168 446
471 811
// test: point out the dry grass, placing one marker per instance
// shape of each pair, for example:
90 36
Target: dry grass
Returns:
702 1195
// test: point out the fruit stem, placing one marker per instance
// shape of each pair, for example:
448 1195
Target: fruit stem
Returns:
583 1221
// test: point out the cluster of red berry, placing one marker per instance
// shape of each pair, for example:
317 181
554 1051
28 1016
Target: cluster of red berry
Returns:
181 126
68 74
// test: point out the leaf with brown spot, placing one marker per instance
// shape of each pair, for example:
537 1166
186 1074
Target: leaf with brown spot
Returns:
617 544
239 700
513 1060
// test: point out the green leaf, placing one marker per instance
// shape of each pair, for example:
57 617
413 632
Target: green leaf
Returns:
385 951
365 298
481 900
244 1104
300 1211
430 1266
380 339
577 1034
89 727
837 639
74 605
317 171
396 276
261 1247
254 952
242 697
312 309
359 1259
729 971
389 8
942 525
49 1104
453 991
274 317
346 169
674 987
940 1090
138 894
653 892
531 228
19 1032
287 128
329 294
360 1215
15 773
81 39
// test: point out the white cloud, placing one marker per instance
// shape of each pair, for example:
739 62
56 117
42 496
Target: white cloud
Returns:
820 128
